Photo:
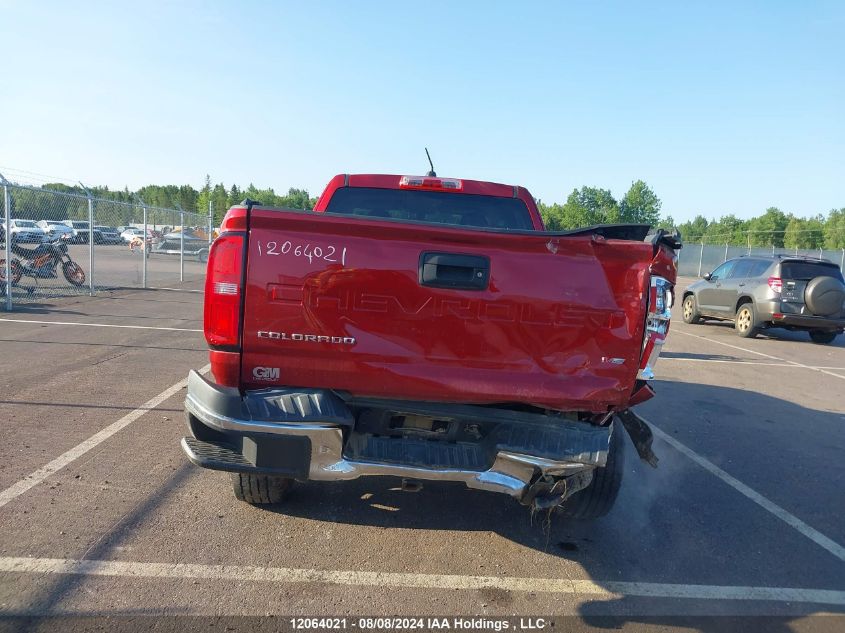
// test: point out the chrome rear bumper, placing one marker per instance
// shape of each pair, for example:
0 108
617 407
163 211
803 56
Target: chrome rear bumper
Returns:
511 472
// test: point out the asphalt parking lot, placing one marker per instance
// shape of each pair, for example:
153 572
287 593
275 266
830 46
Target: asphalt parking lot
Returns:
101 513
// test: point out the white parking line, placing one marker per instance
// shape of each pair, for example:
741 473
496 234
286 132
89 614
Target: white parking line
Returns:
769 356
770 506
742 362
179 290
610 589
718 360
128 327
36 477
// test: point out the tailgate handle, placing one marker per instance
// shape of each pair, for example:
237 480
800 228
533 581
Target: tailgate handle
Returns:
454 270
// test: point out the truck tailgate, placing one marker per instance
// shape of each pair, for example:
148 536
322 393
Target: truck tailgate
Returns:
425 312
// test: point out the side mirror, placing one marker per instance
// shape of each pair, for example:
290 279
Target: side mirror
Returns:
708 276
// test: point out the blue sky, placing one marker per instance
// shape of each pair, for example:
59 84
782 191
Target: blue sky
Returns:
720 107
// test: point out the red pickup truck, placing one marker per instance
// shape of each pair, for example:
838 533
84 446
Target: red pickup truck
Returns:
430 329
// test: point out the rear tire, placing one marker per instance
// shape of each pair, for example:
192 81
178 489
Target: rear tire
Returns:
820 337
745 322
260 489
690 310
597 499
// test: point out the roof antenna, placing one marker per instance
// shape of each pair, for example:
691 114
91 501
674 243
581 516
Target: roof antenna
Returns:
431 173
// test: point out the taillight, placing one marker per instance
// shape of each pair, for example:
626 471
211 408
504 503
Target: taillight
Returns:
661 297
431 183
776 284
223 290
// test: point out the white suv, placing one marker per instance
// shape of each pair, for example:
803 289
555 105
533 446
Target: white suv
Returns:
26 231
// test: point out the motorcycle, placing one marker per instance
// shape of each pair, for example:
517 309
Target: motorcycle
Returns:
42 262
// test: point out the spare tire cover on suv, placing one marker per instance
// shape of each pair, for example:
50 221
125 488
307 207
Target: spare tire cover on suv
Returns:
824 296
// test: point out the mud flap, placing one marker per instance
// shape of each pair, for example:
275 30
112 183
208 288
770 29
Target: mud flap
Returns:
640 434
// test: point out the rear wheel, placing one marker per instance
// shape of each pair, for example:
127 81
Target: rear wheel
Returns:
260 489
73 273
598 497
746 322
690 309
821 337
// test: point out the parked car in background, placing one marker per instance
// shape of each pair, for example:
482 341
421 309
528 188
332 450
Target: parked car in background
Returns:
757 293
55 229
191 238
80 230
26 231
192 244
107 235
131 232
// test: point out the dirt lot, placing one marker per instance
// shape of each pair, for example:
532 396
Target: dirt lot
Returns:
102 514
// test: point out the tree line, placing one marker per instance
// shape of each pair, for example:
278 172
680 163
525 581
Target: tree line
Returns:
216 198
592 205
583 207
772 228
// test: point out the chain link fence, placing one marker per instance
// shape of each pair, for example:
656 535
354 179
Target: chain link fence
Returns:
58 244
696 259
65 244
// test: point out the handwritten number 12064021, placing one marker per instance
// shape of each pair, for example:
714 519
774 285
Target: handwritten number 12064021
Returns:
331 254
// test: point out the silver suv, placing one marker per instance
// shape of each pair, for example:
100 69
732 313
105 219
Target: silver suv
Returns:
756 293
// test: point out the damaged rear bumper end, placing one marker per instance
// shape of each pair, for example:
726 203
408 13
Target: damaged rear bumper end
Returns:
311 434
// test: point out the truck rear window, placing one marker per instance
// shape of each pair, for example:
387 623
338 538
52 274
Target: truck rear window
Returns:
807 270
432 207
